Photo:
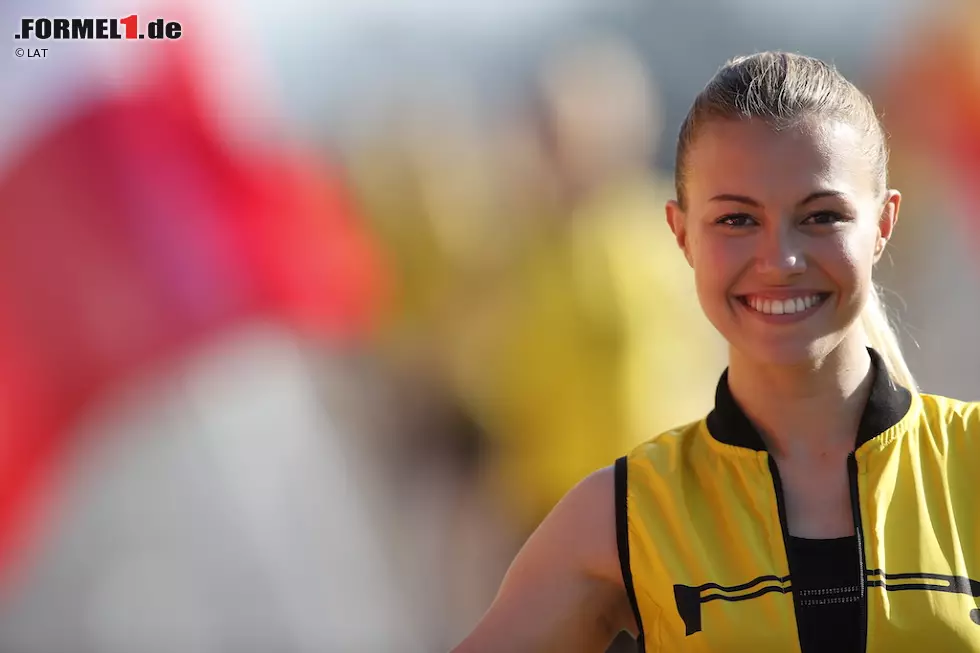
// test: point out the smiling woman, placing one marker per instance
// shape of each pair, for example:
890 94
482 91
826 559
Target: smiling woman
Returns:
810 219
823 504
821 148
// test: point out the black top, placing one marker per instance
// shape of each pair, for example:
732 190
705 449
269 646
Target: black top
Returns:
828 605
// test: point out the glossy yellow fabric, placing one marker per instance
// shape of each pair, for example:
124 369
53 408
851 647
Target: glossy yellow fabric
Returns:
703 512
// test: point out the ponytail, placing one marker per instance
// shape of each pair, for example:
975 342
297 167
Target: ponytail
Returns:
882 339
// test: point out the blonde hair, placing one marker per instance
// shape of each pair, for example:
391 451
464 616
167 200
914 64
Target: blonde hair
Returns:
785 90
882 337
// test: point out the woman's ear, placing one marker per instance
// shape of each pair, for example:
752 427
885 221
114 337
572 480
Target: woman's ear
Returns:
887 220
677 220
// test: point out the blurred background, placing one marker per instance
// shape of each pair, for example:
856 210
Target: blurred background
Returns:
308 318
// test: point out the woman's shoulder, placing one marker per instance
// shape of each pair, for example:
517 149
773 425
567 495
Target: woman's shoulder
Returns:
565 587
950 419
947 409
668 443
582 528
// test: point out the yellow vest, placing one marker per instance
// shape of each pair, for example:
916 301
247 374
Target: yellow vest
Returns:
702 528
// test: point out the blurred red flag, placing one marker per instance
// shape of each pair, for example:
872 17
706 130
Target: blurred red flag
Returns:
930 96
130 233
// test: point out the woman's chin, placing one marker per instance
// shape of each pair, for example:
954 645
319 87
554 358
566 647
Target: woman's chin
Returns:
784 352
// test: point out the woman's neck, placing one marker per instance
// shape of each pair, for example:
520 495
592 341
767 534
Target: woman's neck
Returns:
811 410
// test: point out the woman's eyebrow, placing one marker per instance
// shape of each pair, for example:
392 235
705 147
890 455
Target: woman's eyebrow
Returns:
745 199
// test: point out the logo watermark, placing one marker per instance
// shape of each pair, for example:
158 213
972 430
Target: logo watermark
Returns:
84 29
30 53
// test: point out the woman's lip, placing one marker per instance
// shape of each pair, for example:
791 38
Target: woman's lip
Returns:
784 318
780 295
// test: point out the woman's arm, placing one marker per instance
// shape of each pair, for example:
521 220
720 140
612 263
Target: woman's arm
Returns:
564 592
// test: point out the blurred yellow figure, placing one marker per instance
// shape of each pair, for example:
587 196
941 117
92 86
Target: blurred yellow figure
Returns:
425 180
598 341
604 348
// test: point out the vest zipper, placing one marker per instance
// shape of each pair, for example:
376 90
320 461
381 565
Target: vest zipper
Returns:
784 528
852 475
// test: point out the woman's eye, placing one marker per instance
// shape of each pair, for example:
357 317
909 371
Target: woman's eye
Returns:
824 217
736 220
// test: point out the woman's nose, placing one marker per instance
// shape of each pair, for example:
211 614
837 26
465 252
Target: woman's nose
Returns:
781 253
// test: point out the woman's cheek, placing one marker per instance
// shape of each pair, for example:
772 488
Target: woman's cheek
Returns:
850 260
720 259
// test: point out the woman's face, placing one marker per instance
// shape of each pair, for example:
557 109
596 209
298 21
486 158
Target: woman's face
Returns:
782 229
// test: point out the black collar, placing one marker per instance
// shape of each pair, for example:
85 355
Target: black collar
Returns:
887 404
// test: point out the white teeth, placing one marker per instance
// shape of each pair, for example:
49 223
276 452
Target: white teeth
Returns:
784 307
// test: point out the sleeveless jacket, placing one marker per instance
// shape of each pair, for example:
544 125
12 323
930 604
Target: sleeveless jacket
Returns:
701 525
